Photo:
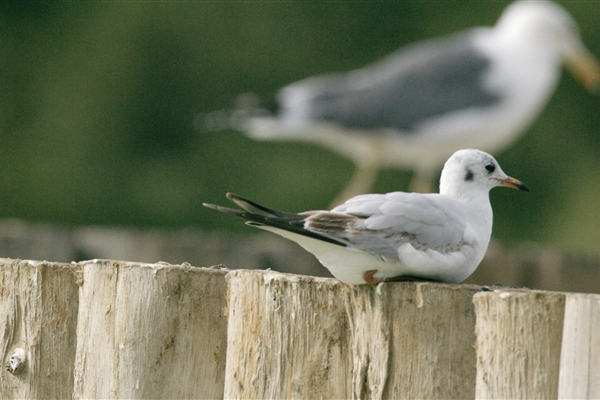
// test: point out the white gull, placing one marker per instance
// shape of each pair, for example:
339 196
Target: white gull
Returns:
374 238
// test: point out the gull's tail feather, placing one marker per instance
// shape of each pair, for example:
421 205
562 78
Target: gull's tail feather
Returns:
256 208
259 216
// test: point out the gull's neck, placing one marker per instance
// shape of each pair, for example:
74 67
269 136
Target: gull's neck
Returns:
466 194
478 208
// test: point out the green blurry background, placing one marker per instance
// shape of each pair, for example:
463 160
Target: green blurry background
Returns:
98 101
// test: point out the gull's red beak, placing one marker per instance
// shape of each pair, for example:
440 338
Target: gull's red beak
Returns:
513 183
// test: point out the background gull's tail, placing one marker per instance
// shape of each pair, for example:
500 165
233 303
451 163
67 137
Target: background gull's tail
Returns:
245 106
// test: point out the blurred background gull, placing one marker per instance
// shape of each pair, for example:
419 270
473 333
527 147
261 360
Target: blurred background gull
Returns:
99 99
480 88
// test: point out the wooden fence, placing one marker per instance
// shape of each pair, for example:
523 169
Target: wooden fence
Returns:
112 329
510 265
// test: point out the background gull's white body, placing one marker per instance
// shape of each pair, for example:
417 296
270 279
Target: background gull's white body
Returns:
476 89
521 74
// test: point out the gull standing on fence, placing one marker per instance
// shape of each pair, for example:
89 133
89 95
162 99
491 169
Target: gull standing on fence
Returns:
479 88
374 238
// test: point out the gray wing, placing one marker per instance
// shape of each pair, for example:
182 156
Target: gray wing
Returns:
399 92
379 224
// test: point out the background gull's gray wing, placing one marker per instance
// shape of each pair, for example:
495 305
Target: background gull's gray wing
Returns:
399 92
382 223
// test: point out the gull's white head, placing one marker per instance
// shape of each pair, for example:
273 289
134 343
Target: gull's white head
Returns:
549 25
471 172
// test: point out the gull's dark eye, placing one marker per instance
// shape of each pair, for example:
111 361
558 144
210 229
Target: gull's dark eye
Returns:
490 168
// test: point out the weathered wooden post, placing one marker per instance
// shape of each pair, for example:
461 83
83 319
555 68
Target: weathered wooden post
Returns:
38 319
580 352
291 336
150 331
519 336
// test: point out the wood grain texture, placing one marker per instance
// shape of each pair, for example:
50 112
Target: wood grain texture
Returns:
113 329
580 353
38 313
150 331
519 336
302 337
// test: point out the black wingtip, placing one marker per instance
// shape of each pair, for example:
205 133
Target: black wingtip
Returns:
258 216
232 196
213 206
255 208
226 210
242 202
